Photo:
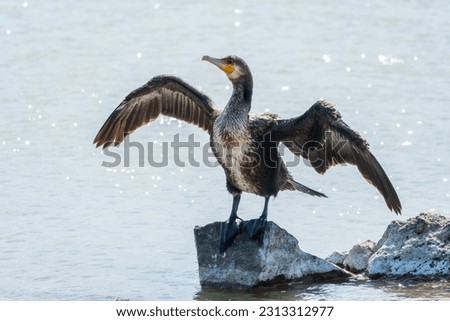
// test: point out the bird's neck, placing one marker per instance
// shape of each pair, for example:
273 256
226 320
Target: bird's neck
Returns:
244 91
233 121
241 98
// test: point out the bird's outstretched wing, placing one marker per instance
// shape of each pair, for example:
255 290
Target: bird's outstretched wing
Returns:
166 95
322 137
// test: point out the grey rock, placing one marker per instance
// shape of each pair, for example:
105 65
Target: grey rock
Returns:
247 263
337 258
418 247
358 256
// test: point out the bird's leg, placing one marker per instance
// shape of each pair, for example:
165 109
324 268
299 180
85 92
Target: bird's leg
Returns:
230 229
255 227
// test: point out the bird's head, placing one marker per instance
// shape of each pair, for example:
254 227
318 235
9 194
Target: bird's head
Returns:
234 67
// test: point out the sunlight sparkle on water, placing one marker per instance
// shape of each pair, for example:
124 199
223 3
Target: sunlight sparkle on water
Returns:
389 60
326 58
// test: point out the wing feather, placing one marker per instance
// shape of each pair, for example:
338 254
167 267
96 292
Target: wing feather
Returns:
162 95
321 136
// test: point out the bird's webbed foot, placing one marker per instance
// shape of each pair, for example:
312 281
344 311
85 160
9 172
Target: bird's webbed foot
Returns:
229 230
255 228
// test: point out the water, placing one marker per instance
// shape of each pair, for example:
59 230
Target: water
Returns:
74 230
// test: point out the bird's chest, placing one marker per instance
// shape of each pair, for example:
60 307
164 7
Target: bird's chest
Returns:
235 151
231 146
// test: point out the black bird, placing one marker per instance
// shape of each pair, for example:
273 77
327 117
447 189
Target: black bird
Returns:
247 145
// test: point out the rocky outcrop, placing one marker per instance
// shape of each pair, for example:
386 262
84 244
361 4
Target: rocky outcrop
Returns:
419 246
337 258
247 263
358 257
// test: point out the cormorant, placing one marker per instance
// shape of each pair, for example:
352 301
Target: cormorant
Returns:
247 145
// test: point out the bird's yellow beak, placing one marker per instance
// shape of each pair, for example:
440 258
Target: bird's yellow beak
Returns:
227 68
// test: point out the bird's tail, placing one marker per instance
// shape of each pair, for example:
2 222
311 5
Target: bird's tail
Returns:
302 188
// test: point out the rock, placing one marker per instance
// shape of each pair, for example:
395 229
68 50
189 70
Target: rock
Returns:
247 263
337 258
418 247
358 257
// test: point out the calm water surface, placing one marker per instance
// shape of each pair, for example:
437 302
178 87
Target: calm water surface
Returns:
71 229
